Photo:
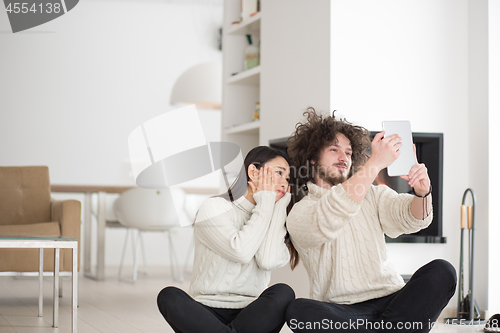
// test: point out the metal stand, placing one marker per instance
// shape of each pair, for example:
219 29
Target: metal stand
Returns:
468 311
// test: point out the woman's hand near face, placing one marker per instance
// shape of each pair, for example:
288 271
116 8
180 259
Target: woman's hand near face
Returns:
265 181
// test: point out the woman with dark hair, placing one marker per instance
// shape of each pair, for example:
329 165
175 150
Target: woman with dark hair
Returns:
240 239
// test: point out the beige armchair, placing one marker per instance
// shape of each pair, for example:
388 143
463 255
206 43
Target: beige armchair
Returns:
26 208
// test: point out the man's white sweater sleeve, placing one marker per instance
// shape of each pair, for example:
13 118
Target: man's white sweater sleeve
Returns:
395 212
315 222
273 252
215 227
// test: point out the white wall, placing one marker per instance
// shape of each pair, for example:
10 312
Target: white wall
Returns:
409 60
478 139
295 63
72 89
494 159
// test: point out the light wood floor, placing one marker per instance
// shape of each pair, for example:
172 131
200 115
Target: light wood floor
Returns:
110 306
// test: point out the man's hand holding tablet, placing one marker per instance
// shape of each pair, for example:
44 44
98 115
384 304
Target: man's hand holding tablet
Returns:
406 159
406 165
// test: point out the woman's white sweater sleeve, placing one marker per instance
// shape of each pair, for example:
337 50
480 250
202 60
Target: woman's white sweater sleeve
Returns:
215 227
273 252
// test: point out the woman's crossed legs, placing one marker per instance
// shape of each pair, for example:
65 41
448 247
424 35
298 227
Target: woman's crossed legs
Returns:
266 314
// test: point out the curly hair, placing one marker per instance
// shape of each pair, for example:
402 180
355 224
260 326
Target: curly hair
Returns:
311 137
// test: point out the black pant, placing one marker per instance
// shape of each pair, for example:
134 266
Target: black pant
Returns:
414 308
266 314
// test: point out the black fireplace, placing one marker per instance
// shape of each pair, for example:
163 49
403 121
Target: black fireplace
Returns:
429 148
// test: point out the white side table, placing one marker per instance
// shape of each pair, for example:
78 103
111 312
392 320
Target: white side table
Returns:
56 243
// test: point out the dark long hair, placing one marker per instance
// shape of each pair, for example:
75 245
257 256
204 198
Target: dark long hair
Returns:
258 157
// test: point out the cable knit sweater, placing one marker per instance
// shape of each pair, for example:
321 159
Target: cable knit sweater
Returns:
237 245
341 241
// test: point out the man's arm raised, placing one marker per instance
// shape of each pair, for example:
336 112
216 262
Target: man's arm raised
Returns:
384 152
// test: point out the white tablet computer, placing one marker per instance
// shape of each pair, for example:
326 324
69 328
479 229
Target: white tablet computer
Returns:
406 160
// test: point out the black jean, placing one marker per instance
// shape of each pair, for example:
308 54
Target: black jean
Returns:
266 314
414 308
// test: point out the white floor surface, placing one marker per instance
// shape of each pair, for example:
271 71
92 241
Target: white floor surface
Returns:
108 306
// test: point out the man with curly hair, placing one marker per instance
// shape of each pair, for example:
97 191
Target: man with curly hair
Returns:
338 231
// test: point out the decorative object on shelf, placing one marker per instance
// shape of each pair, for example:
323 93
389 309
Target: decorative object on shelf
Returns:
200 85
252 58
249 8
256 114
468 312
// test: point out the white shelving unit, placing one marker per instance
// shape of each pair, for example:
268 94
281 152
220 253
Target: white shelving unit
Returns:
250 25
294 73
249 128
241 88
248 77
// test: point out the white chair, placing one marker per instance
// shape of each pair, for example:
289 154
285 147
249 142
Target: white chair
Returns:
149 210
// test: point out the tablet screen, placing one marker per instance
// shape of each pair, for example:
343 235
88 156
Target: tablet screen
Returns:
406 160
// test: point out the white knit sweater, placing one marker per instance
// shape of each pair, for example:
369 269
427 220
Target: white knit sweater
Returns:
237 246
341 241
